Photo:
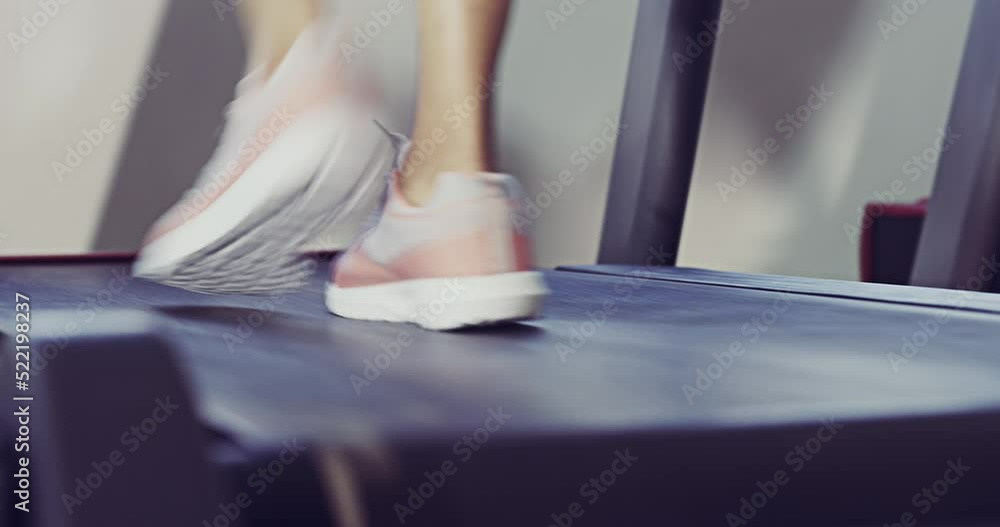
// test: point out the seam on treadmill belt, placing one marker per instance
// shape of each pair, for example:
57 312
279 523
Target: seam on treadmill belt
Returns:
842 296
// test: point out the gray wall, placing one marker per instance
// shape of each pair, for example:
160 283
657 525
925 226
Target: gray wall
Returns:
890 97
559 86
69 77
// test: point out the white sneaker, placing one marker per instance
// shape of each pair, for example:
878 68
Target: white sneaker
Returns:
462 259
298 152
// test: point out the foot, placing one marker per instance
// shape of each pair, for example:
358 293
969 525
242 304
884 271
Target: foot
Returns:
456 261
298 151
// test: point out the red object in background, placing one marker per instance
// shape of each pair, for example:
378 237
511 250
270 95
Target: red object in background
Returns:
67 258
889 240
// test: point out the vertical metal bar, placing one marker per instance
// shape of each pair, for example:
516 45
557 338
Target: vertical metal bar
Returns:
661 119
961 235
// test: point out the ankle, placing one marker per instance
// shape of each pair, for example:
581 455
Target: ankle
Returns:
420 172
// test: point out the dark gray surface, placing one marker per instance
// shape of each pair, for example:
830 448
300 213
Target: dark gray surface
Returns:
880 293
175 129
963 216
661 119
821 355
112 426
822 358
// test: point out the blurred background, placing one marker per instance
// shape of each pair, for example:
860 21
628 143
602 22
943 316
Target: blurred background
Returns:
144 85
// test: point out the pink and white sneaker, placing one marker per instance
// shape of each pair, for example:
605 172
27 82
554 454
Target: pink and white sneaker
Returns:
457 261
298 152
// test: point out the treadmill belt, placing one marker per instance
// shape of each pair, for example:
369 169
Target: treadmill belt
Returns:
611 351
701 375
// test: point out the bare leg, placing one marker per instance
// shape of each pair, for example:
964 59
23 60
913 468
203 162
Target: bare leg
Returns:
272 26
459 41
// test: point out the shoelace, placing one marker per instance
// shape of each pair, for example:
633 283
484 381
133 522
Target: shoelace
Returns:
402 145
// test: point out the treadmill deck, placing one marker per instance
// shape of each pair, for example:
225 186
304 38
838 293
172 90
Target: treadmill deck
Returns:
711 379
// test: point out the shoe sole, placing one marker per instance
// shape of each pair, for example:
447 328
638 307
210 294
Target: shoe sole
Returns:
178 258
444 303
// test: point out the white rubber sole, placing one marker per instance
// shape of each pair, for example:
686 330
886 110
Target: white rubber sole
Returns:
280 173
444 303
